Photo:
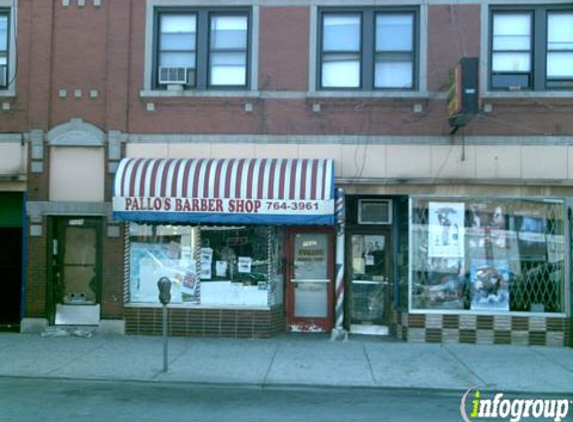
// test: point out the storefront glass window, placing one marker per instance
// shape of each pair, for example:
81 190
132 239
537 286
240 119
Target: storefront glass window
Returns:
211 265
478 254
162 251
234 265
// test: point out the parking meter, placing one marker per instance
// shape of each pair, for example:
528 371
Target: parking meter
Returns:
164 285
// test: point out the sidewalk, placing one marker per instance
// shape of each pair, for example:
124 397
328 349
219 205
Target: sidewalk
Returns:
292 360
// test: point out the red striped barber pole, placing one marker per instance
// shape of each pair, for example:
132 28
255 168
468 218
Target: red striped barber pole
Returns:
339 282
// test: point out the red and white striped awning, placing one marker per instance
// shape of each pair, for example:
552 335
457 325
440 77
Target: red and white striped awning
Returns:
254 191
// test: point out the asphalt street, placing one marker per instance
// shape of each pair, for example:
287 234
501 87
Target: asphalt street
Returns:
63 400
33 400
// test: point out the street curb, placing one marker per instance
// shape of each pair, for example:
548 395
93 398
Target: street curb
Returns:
294 386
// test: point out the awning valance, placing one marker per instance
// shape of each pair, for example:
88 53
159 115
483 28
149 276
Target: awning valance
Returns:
220 191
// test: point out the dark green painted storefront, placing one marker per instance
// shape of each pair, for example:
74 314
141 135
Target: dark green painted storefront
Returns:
11 277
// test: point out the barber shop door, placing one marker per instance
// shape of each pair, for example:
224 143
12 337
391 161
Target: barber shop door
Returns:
309 280
76 270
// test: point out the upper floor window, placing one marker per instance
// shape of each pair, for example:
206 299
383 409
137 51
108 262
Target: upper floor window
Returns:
368 49
532 49
4 50
202 49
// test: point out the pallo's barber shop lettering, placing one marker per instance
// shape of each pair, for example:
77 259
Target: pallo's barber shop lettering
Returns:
193 205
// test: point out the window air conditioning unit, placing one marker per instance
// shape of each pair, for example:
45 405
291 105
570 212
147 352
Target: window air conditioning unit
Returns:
374 211
174 75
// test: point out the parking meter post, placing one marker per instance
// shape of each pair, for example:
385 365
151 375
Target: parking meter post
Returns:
165 338
164 285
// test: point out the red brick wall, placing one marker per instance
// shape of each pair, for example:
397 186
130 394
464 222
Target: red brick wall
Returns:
112 276
103 49
37 271
283 60
206 322
453 32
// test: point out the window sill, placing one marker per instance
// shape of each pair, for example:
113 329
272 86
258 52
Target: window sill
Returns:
7 93
198 94
292 94
375 94
528 94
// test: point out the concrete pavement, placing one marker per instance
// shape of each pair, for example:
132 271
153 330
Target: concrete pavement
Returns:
294 359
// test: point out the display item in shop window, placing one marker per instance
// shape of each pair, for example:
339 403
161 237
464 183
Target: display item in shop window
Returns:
445 233
532 238
244 264
489 224
445 288
221 268
490 284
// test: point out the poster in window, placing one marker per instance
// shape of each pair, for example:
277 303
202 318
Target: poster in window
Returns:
490 285
555 248
221 268
446 229
150 262
189 291
444 288
489 226
531 236
245 264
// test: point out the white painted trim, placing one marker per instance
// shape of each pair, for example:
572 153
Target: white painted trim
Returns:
282 3
76 132
12 138
524 94
183 138
290 95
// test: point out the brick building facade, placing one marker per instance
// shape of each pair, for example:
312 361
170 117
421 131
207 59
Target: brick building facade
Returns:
86 84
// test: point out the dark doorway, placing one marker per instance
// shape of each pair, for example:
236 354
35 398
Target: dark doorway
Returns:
76 270
10 278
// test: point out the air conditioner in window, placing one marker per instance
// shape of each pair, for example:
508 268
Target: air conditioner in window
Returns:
174 75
